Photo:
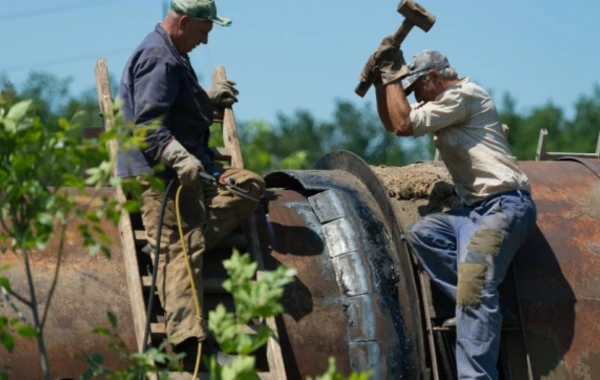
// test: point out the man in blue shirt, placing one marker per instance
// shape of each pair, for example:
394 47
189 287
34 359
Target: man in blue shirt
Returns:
159 83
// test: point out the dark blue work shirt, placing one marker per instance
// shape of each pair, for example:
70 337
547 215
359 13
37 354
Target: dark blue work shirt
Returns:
158 81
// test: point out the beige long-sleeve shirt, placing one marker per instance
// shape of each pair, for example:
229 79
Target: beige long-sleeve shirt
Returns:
468 133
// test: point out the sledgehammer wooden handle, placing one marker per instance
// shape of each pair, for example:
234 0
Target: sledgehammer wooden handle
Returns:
414 15
364 85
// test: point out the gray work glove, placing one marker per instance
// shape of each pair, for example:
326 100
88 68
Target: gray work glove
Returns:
187 166
389 61
223 94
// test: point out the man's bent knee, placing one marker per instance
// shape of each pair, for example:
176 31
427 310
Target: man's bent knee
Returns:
414 231
471 278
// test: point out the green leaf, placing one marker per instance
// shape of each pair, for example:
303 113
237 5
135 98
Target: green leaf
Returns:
41 244
4 283
6 267
106 251
7 341
19 110
96 359
241 368
46 219
101 331
10 126
132 206
27 331
112 319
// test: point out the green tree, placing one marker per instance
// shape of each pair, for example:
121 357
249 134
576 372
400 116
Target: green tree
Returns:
37 165
578 135
297 141
585 126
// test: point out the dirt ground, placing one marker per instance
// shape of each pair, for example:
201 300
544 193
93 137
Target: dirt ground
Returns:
417 189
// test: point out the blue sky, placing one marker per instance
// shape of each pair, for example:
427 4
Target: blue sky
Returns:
286 55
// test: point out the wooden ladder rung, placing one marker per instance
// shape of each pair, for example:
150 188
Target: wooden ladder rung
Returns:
206 376
158 330
234 240
211 285
140 237
221 153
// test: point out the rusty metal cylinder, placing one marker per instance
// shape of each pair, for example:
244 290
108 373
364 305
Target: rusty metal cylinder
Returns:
356 297
557 272
87 287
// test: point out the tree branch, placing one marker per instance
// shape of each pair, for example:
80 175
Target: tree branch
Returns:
36 317
15 307
55 279
3 224
17 296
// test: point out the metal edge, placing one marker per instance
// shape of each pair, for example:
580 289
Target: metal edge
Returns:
588 163
407 333
355 165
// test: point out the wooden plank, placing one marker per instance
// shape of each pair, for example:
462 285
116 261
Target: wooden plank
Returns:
598 146
231 140
230 135
210 285
127 238
206 376
221 153
140 237
233 240
540 153
159 329
274 355
430 338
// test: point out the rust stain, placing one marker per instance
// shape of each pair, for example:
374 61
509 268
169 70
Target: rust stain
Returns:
88 286
559 271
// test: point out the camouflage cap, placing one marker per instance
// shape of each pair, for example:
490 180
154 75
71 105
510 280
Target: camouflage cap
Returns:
420 64
200 9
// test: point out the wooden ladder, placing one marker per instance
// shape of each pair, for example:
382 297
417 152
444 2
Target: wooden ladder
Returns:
440 339
139 266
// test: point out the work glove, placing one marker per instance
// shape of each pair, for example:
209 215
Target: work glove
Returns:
223 94
187 166
389 61
371 70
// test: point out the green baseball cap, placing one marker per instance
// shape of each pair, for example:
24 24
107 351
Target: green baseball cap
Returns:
200 9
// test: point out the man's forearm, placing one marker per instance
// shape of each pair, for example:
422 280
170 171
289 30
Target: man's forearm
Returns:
157 141
382 108
398 109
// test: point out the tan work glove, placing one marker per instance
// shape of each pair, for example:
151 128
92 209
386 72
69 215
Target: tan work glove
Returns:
223 94
371 69
187 166
389 61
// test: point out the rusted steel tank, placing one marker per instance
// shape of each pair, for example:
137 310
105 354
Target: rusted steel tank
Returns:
88 286
356 299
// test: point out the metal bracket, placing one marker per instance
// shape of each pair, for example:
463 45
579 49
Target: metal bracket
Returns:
541 153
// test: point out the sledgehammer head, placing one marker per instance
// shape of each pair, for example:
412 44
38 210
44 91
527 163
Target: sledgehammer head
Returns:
416 14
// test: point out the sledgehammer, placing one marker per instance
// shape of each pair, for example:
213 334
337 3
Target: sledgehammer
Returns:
414 15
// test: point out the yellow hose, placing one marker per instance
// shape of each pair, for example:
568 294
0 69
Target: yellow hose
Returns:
191 276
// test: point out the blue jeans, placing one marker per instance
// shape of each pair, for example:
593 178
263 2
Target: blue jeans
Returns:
467 252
